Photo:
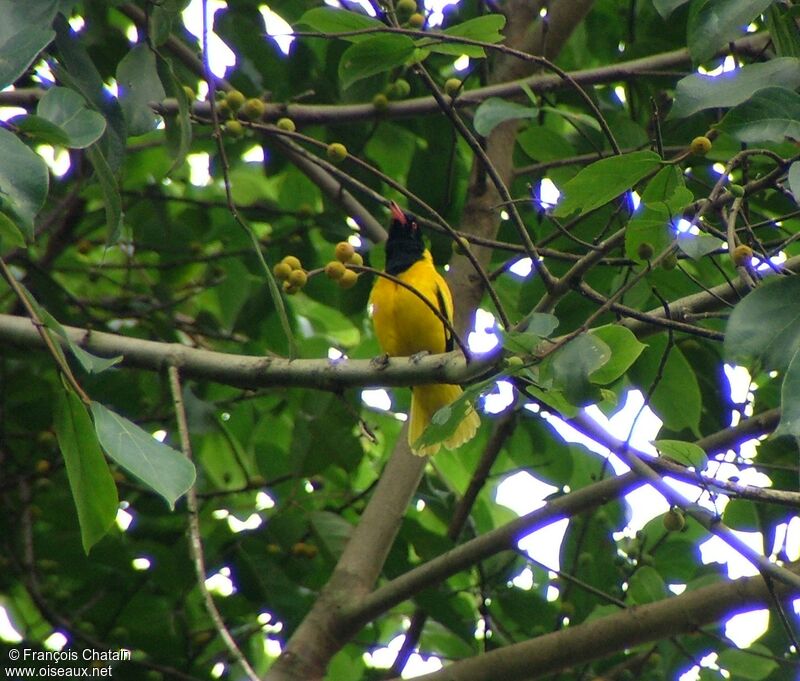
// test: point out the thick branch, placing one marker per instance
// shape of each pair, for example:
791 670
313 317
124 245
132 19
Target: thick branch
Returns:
594 640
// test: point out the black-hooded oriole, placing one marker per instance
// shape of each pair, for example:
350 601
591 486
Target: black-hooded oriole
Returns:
406 326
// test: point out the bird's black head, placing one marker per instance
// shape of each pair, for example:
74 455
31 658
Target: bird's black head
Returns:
405 245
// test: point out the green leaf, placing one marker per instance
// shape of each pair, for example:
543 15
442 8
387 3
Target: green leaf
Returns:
700 91
783 31
93 488
742 515
445 421
139 85
794 180
770 115
10 234
751 664
161 468
332 531
667 7
329 20
764 327
572 366
179 127
646 586
676 398
66 109
91 363
543 144
24 181
651 225
697 245
663 185
714 23
494 111
685 453
24 32
108 183
604 180
373 55
625 349
40 129
790 399
485 29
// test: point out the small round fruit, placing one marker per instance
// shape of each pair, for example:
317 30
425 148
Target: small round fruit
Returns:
292 261
222 107
406 7
286 124
337 152
380 101
742 255
736 189
234 127
298 278
253 109
670 262
335 270
452 86
235 99
644 250
344 251
288 289
356 259
461 245
673 520
84 246
416 20
700 145
282 271
190 94
401 88
42 466
348 279
514 362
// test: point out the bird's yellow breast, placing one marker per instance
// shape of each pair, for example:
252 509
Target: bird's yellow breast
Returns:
404 324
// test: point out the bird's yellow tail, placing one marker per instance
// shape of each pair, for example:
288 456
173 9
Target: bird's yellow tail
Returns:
426 400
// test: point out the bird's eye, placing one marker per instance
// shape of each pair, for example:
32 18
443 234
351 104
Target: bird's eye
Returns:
413 225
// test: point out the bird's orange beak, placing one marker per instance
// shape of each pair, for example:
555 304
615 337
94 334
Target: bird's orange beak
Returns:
397 213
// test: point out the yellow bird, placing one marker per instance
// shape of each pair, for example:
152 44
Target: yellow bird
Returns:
405 325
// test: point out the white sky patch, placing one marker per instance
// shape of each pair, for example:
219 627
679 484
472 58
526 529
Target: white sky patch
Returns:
483 338
522 267
335 353
264 501
377 399
132 34
636 200
7 631
778 260
141 564
56 641
461 64
252 522
217 670
111 87
383 658
740 382
435 10
7 112
199 174
364 4
743 629
123 519
619 93
254 154
499 399
43 74
220 56
548 193
277 28
220 583
76 23
159 435
56 159
354 240
715 550
684 226
729 64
